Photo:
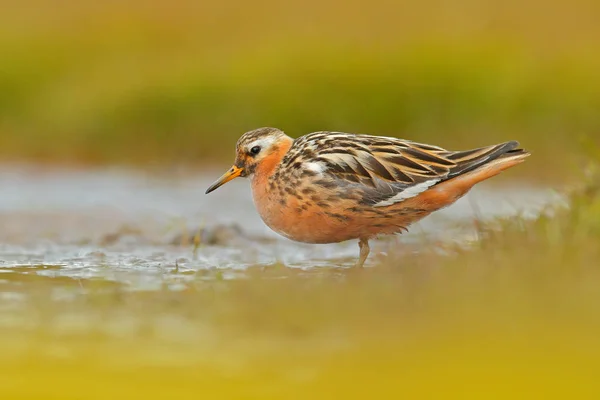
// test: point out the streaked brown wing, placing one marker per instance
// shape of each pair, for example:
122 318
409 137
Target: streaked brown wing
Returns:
384 170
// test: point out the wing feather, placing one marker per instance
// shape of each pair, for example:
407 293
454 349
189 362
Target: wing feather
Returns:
382 171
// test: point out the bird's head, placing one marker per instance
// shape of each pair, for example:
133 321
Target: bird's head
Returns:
263 146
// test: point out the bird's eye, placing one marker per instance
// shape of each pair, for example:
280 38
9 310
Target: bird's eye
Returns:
255 150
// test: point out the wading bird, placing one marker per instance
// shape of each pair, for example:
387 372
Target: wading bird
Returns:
328 187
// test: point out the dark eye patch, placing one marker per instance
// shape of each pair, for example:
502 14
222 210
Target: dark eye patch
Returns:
255 150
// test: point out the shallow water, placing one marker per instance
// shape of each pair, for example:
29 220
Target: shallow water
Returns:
136 230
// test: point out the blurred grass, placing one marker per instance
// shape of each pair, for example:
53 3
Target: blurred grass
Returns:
180 81
516 316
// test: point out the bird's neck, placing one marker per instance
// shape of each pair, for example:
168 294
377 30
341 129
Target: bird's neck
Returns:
266 168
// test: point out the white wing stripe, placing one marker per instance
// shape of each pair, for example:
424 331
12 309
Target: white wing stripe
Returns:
408 193
315 167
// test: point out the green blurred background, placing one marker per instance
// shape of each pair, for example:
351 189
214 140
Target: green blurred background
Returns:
178 81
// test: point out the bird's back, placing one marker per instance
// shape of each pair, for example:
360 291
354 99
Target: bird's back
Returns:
382 170
334 186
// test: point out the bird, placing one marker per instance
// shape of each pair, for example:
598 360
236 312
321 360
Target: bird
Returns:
330 187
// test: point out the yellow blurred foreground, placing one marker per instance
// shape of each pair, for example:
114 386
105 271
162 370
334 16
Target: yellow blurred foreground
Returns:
475 366
518 316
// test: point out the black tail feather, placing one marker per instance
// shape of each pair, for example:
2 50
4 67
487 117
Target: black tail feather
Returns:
472 159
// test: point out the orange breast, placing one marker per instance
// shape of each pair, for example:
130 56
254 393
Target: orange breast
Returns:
295 220
321 221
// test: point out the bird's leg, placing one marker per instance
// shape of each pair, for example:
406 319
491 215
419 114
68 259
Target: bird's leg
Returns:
363 244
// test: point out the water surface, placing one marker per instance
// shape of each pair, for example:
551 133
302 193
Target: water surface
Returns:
138 230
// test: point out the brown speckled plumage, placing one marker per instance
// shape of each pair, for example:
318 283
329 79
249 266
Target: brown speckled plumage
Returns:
327 187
